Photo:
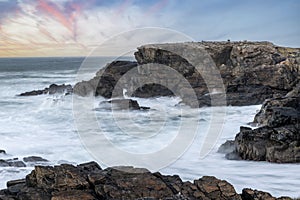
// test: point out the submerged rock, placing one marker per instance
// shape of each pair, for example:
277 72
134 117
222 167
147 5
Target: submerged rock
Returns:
52 89
90 182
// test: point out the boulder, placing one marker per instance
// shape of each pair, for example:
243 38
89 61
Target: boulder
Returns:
52 89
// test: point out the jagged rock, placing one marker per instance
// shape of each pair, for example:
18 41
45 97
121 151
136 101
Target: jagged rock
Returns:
34 159
52 89
278 137
89 181
251 72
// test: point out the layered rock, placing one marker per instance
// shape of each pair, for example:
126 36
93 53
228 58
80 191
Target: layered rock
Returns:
251 72
52 89
278 137
90 182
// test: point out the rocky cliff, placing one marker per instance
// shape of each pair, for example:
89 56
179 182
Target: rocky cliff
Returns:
277 139
89 182
251 71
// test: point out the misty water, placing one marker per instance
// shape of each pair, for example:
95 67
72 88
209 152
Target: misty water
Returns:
44 126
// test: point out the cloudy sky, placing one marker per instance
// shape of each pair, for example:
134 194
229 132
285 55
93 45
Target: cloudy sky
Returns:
75 27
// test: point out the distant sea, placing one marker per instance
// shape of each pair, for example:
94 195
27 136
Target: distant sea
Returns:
44 126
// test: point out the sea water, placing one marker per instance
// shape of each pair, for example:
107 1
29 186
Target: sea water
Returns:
44 126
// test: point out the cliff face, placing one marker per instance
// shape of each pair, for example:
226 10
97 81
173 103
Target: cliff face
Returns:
251 71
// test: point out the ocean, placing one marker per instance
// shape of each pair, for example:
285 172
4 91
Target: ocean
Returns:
45 126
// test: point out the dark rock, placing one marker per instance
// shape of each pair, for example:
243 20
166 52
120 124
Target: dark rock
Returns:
34 159
2 151
4 163
270 144
125 104
52 89
249 194
11 163
277 139
15 182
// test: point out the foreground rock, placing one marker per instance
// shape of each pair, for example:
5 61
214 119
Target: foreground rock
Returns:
251 72
52 89
278 138
90 182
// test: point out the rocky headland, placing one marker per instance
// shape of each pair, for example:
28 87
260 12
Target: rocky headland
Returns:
90 182
251 72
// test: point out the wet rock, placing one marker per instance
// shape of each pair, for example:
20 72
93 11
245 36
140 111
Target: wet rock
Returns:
52 89
4 163
233 156
2 151
125 104
34 159
277 139
11 163
249 194
227 147
15 182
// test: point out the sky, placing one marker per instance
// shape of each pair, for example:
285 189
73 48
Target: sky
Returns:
75 27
